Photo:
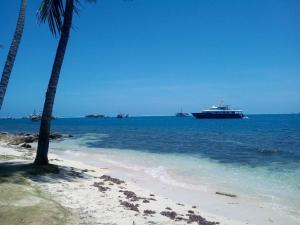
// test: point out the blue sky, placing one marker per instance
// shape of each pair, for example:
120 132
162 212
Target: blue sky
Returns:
151 57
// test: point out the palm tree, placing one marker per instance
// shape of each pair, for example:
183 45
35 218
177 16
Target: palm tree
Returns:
59 17
53 11
12 51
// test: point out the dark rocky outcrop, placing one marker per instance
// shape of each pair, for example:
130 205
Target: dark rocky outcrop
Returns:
20 138
56 136
25 145
31 139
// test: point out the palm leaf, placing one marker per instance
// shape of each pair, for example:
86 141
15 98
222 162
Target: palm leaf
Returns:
52 12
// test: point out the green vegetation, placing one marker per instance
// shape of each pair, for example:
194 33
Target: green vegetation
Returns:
24 203
8 157
16 179
3 137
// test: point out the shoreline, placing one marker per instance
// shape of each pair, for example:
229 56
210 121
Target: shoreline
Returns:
232 208
105 202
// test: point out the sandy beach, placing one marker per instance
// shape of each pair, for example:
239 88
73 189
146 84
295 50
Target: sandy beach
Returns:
150 112
89 194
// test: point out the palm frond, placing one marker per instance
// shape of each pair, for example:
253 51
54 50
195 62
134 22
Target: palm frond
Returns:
52 11
78 5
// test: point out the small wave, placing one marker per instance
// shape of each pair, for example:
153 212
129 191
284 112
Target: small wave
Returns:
234 142
162 175
269 151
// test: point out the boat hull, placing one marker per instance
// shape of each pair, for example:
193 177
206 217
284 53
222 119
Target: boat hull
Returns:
181 114
217 116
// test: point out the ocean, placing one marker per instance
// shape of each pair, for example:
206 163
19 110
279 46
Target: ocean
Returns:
257 157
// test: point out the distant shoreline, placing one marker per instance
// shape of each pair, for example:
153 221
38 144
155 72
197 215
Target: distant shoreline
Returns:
138 116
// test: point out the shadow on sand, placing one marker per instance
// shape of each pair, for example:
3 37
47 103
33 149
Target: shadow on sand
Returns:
18 172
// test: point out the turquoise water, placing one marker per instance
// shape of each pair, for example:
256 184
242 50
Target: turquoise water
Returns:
259 156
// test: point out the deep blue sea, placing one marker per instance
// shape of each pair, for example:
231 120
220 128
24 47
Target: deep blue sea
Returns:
260 154
261 140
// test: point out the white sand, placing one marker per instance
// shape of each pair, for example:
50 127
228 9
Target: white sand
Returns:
92 206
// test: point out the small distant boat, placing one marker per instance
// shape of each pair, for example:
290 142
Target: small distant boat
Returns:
38 116
121 116
35 116
220 112
94 116
181 114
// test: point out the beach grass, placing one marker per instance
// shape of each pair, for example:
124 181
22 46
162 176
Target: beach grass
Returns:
21 202
8 157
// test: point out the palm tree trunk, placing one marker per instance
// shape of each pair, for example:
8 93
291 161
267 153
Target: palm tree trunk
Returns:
12 51
43 143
